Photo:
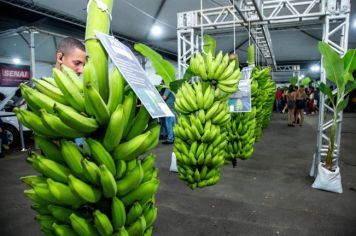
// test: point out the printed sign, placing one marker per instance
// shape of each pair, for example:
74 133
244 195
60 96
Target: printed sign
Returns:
13 75
241 100
135 75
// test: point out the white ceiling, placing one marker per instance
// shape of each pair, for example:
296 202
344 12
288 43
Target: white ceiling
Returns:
133 18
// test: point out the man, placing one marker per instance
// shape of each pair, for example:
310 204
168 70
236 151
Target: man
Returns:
168 96
71 53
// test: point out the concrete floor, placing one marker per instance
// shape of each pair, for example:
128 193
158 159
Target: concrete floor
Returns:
270 194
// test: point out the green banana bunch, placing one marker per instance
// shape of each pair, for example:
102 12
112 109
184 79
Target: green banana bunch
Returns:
102 188
200 130
241 135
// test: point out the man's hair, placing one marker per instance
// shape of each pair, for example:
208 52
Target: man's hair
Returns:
68 44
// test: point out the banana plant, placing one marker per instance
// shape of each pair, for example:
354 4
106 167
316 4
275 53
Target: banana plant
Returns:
338 71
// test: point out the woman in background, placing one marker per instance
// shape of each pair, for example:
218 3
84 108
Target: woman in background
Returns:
291 99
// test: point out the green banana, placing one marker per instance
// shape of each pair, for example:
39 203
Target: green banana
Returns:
73 77
118 213
116 89
49 149
100 155
130 181
31 194
97 104
72 156
51 168
121 232
31 179
115 129
81 226
91 172
150 216
129 105
121 168
75 120
69 90
63 194
38 99
126 151
55 124
33 122
138 227
42 191
107 181
134 212
142 193
102 223
140 123
40 209
50 90
148 162
63 230
89 77
83 190
60 213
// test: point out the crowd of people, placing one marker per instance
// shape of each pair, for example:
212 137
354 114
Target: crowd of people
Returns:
297 101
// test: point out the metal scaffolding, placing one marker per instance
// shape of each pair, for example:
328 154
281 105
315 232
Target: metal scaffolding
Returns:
258 15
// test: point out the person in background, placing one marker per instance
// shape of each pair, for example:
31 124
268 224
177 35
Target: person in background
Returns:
168 96
316 99
300 101
291 98
162 120
278 99
311 101
71 53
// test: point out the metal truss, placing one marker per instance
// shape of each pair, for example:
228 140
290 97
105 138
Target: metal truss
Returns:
255 15
288 68
336 34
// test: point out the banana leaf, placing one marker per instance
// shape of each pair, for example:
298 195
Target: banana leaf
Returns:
293 80
305 81
209 44
162 67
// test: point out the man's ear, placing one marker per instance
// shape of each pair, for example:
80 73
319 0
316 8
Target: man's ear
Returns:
59 57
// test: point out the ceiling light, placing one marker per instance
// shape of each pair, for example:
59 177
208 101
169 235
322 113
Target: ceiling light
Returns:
315 68
156 30
354 24
16 60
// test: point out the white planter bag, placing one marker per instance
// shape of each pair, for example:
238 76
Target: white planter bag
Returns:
173 166
328 180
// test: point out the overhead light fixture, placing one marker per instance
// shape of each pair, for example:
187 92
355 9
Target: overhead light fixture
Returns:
156 30
16 60
354 24
315 68
302 76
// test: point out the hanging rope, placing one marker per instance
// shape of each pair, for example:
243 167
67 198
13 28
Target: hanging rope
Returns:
233 5
201 26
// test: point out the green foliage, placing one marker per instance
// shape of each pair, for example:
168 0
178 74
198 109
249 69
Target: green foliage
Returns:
305 81
293 80
339 71
209 44
162 67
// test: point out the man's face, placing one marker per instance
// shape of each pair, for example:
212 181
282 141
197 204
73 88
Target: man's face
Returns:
75 60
